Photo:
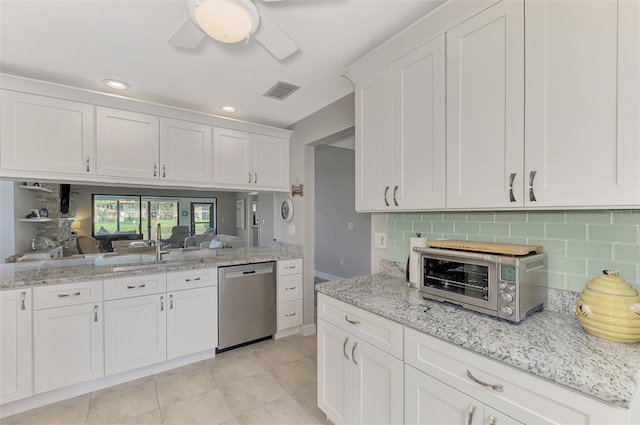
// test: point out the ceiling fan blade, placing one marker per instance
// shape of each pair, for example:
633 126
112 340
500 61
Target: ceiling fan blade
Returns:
279 44
188 35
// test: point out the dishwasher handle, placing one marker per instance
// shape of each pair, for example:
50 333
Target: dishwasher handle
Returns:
230 273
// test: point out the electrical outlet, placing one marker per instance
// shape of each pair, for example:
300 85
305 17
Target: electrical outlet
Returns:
292 230
380 240
342 261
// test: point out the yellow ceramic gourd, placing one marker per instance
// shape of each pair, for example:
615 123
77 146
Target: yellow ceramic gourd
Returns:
609 308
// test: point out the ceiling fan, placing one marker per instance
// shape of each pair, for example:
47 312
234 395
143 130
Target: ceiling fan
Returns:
231 21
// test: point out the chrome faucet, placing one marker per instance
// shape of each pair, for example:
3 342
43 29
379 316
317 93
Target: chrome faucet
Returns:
159 250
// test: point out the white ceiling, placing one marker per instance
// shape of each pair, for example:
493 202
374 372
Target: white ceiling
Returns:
83 42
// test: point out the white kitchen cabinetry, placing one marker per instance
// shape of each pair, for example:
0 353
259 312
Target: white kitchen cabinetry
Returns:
68 344
582 86
185 151
449 380
358 382
192 316
250 160
127 144
135 324
44 135
289 294
485 109
400 139
15 345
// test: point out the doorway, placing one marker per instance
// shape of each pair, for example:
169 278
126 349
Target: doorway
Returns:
202 217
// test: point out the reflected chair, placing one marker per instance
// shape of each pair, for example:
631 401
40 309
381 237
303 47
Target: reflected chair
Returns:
178 235
88 245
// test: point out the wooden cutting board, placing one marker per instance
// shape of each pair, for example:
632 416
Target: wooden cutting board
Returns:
479 246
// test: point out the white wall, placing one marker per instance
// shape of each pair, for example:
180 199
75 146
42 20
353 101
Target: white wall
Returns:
328 122
342 235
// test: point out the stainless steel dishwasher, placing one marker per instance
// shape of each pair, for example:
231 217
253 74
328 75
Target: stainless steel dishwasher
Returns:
246 304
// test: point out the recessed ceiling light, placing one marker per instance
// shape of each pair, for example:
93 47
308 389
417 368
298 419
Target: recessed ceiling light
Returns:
115 84
228 109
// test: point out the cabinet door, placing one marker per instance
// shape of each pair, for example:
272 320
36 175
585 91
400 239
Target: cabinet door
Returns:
15 345
419 128
270 162
185 151
127 144
485 109
67 346
493 417
374 146
192 321
582 108
46 135
429 401
334 373
232 157
377 386
135 332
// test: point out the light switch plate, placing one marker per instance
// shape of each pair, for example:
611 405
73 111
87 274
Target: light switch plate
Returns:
292 230
380 240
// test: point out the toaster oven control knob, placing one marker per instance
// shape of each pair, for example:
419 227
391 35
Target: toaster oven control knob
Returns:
507 297
502 285
507 311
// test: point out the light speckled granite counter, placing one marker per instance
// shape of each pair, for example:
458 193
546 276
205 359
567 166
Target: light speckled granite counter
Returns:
104 267
550 344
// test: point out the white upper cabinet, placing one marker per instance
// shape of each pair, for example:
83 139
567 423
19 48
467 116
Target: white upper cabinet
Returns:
374 133
185 151
582 132
46 135
485 109
419 128
400 133
249 160
127 144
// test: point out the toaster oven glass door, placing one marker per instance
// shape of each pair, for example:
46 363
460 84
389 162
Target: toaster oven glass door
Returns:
463 279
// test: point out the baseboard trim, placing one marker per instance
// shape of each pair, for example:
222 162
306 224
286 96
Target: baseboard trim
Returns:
326 276
306 330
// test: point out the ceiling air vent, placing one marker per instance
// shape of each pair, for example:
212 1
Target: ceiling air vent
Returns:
281 90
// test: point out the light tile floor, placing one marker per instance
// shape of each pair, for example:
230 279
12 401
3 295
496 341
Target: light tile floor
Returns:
271 382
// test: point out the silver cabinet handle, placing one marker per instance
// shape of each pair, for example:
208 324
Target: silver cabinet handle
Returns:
136 286
386 190
290 315
171 302
87 160
532 197
495 387
344 348
255 177
492 420
162 303
289 267
353 354
472 410
194 279
23 295
290 289
164 170
395 201
95 313
75 294
249 177
155 170
353 322
511 179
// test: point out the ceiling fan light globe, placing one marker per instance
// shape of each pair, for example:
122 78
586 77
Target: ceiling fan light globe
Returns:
228 21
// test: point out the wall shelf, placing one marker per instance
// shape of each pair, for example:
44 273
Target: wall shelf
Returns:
35 220
35 188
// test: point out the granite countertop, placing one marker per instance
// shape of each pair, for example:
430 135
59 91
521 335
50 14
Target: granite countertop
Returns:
549 344
20 275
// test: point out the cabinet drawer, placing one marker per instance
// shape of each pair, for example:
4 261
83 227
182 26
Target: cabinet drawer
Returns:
377 331
289 314
524 397
67 294
134 286
286 267
289 287
191 279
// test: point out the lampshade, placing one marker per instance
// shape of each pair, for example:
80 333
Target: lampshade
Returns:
228 21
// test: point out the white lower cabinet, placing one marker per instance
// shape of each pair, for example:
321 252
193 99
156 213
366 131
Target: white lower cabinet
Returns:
289 293
192 321
358 383
135 332
15 345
